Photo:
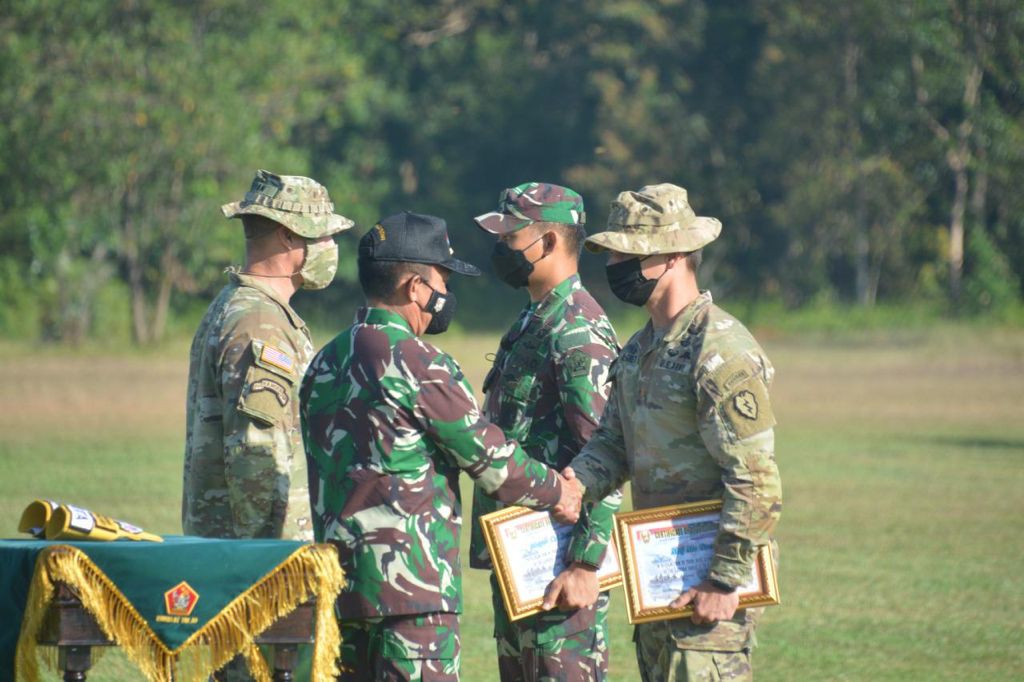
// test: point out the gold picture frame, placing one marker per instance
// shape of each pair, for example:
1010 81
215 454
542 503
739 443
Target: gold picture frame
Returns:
651 575
525 547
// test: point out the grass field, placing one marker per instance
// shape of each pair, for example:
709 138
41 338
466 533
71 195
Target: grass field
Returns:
902 458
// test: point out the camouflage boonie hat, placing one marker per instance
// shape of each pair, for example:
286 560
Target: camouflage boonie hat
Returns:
533 202
657 219
301 204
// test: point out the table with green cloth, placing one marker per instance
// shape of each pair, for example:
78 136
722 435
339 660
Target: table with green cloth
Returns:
180 609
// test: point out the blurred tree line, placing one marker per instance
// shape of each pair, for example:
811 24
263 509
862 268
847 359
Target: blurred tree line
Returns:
855 152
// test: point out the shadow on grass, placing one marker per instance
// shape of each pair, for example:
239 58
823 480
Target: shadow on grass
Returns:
979 442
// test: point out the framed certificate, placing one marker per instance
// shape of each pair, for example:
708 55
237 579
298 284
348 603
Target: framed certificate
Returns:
527 549
667 550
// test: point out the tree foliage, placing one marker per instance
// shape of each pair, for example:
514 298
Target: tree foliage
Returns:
862 151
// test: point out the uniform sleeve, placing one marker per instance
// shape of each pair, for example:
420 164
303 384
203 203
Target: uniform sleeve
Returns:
258 390
312 470
445 405
736 424
601 464
582 360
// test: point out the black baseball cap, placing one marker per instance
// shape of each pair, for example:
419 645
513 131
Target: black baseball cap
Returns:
408 237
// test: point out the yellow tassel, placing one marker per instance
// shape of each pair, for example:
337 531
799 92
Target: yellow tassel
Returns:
312 571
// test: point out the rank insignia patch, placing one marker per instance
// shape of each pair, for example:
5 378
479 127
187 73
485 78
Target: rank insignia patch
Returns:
746 404
272 386
180 599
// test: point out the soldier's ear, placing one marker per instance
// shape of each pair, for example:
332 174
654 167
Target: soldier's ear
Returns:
551 239
408 288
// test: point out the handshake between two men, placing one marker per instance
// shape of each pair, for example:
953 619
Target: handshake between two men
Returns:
571 499
577 586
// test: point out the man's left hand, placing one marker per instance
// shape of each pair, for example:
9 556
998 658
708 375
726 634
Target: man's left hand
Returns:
710 604
574 588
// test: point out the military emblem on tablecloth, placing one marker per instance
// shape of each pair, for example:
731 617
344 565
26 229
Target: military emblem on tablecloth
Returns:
746 404
180 599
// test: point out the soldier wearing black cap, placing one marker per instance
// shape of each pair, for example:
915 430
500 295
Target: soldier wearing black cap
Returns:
388 422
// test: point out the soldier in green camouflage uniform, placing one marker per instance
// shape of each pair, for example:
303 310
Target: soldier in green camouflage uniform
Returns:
547 389
245 470
688 419
388 422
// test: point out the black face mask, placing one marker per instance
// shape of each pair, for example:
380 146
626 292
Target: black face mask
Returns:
628 283
442 310
511 266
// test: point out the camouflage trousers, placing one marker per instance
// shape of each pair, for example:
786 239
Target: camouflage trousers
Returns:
557 646
661 660
422 647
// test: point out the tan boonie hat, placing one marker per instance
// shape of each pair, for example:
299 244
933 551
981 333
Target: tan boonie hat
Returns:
657 219
301 204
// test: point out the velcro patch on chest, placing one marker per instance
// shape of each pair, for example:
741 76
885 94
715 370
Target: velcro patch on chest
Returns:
279 391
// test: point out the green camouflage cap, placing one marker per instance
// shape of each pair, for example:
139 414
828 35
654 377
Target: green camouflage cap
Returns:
657 219
533 202
301 204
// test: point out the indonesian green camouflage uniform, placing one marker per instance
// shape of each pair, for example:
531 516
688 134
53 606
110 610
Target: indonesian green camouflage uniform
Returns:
389 421
245 468
689 419
547 389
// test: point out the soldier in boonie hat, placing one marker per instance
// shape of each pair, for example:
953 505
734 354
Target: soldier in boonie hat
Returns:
693 421
244 468
656 219
301 204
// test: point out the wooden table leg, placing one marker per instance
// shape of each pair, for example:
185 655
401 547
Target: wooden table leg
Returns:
75 661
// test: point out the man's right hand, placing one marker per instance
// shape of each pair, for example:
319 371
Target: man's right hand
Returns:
568 508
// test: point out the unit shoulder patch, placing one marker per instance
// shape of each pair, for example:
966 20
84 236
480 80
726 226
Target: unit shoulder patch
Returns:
578 363
746 404
747 409
279 392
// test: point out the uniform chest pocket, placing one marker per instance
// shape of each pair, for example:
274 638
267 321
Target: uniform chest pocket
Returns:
514 415
671 396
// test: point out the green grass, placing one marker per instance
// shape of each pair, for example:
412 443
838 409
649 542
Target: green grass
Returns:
902 458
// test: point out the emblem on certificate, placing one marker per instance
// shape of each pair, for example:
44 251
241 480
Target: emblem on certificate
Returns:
667 550
527 549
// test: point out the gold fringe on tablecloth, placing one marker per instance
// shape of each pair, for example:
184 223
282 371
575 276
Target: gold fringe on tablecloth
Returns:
312 571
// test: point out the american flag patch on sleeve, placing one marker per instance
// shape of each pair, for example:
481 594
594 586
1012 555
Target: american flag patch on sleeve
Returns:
277 358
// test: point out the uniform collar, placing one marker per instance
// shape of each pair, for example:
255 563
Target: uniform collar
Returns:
554 298
379 317
256 283
686 317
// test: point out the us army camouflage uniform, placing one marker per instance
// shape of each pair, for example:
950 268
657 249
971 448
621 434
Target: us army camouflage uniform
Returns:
389 421
688 420
547 390
245 469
